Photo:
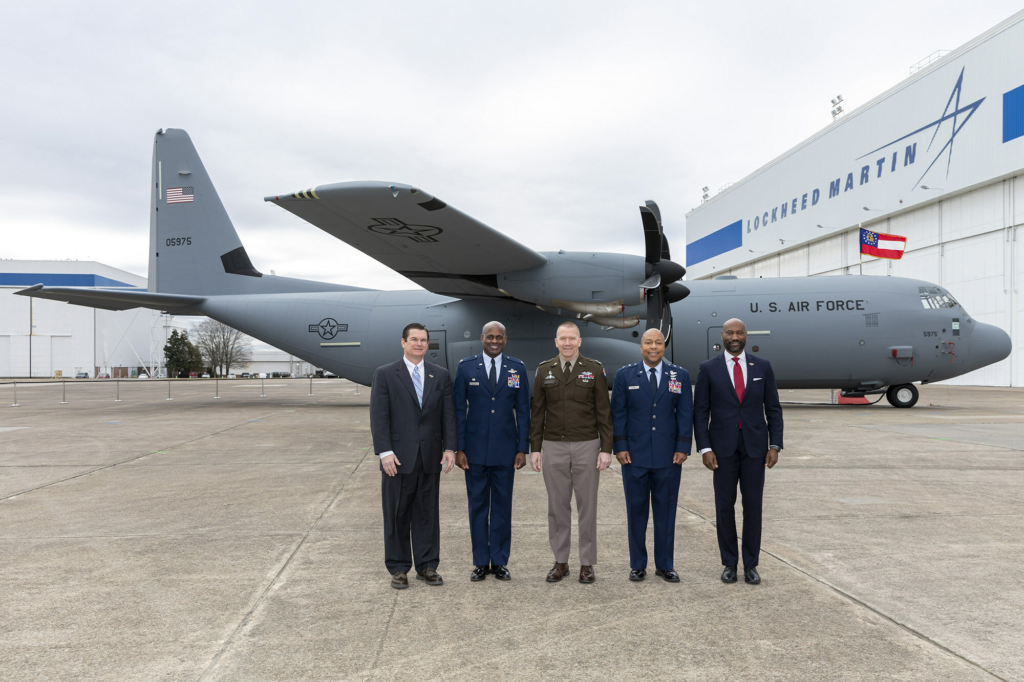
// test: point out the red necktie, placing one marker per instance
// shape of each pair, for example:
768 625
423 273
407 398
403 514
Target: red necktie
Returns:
737 378
737 382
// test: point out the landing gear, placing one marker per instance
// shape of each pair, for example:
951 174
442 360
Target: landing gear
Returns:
904 395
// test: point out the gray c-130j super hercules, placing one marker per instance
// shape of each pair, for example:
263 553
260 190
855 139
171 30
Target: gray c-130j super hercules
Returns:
862 334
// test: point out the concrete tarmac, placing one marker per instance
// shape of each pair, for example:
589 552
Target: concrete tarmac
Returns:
240 539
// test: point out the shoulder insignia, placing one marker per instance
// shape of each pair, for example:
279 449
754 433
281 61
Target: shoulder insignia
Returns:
471 357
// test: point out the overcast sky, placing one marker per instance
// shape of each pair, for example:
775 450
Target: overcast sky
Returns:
548 121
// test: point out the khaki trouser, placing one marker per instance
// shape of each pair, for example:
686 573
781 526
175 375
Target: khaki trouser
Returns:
567 468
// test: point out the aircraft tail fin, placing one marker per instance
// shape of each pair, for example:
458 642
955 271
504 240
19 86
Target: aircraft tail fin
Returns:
193 247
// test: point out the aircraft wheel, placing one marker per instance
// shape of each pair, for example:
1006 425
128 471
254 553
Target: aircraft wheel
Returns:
904 395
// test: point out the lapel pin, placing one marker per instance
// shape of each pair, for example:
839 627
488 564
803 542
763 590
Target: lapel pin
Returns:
751 364
431 376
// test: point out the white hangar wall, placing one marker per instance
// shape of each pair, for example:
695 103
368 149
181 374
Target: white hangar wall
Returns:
964 232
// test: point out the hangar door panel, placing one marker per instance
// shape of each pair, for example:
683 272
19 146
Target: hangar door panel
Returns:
5 356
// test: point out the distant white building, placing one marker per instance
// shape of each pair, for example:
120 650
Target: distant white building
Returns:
44 339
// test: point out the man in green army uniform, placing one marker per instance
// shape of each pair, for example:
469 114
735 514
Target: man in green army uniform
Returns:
571 434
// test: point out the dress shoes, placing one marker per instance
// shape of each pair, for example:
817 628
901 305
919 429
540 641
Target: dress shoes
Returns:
557 572
501 572
729 574
668 576
587 575
400 580
430 577
479 573
751 576
637 575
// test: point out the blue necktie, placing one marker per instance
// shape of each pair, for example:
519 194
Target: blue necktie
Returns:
417 381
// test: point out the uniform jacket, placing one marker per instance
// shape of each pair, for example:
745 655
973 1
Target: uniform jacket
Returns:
398 423
574 409
493 425
653 426
717 412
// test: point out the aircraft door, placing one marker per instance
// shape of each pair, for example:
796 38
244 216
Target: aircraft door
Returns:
714 342
437 349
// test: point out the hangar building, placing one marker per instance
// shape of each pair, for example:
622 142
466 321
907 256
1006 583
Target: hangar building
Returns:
43 339
938 159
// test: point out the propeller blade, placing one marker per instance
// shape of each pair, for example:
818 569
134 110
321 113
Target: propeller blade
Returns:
652 235
652 282
653 208
665 254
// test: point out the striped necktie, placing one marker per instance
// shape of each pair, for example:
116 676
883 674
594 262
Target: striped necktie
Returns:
417 381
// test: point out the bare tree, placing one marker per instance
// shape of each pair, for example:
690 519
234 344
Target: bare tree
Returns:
222 346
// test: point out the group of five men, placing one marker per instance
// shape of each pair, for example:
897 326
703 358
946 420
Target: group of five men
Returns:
423 422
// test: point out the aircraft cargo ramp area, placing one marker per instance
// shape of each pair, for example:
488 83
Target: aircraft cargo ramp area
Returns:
240 538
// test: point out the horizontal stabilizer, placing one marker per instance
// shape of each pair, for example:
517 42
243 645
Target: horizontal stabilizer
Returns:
414 233
117 299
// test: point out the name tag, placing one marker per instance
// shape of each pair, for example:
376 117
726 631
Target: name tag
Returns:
757 378
633 388
474 383
675 386
550 382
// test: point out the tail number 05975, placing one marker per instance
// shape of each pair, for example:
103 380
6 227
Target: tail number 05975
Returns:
179 241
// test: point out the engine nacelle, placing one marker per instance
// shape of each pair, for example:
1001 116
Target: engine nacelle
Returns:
589 283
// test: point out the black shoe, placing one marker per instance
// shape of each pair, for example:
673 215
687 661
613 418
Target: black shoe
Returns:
751 576
430 576
669 576
479 573
638 575
400 580
501 572
729 574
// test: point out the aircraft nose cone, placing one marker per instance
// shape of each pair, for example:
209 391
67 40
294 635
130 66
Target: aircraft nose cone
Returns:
988 344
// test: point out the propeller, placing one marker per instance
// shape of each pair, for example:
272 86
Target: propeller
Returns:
662 286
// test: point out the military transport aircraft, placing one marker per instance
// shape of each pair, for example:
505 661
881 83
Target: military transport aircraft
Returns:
862 334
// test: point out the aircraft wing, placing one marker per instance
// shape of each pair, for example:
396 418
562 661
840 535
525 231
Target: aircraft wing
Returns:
414 233
117 299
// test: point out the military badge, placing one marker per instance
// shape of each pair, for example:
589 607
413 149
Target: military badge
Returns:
587 376
513 381
675 386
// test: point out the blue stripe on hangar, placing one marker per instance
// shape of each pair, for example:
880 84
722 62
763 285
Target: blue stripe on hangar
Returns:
1013 114
718 242
28 279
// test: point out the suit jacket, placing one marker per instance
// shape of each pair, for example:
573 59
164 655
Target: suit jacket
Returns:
398 423
717 411
653 426
493 425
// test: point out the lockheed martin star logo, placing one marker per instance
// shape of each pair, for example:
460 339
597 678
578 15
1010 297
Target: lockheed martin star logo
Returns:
393 227
328 328
966 112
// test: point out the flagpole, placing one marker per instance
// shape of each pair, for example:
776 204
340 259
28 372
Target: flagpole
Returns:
860 248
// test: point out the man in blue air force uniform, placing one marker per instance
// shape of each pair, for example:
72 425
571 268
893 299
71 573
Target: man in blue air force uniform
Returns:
492 406
652 414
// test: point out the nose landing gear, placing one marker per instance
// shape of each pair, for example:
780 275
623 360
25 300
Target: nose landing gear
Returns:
903 395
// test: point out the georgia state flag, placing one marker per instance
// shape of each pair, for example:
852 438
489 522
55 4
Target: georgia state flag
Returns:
882 245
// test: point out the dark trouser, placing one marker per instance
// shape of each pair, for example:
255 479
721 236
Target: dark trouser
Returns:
647 488
749 472
410 504
489 489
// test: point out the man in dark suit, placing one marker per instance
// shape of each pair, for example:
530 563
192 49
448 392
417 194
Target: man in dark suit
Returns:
412 419
652 416
492 405
737 420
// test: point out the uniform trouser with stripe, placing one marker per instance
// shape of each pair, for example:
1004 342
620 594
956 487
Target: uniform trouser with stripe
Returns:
646 489
489 489
572 468
410 504
749 473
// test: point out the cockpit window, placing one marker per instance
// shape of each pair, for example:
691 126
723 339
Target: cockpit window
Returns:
933 298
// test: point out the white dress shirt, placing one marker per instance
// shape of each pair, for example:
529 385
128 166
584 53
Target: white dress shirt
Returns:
742 357
409 366
657 371
487 366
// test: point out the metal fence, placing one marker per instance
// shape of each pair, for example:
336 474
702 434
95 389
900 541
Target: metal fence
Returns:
63 383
